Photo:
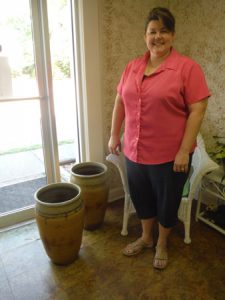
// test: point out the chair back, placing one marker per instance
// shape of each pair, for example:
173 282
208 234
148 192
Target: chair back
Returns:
201 164
119 162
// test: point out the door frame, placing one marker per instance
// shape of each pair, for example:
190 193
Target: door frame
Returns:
85 16
87 69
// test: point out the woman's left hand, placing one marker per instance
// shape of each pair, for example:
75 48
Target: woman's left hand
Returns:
181 162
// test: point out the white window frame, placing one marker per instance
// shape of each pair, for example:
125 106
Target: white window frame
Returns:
88 79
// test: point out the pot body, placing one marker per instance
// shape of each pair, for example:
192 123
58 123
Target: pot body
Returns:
92 178
60 219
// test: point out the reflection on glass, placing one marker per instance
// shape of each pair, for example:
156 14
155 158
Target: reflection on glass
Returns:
17 68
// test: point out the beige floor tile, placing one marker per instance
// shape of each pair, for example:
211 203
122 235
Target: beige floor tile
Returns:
17 237
24 258
5 290
32 285
3 275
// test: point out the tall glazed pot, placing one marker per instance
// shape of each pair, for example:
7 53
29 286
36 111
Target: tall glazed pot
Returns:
60 218
92 178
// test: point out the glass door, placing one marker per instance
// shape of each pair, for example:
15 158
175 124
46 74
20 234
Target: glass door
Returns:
29 153
62 61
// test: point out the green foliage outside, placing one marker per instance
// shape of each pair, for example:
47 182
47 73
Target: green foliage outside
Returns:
59 42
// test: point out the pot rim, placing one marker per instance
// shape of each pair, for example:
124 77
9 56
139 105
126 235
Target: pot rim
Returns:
88 163
51 186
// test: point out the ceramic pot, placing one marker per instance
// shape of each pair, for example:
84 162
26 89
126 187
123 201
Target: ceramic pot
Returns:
92 178
60 219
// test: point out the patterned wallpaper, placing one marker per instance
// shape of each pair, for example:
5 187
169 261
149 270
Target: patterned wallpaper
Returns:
200 34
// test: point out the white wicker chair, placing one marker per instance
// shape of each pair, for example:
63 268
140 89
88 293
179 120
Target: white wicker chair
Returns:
201 164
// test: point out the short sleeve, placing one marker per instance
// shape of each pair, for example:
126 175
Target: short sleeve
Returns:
123 80
195 86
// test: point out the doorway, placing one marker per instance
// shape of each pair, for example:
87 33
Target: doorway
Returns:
38 117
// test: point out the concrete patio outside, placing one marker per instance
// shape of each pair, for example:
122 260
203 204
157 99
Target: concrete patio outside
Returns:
27 165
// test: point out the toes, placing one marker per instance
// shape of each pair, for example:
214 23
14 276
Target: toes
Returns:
161 258
160 263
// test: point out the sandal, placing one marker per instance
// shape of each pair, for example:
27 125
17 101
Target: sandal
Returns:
160 260
136 247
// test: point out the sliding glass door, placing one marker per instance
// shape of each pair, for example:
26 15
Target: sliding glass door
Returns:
37 102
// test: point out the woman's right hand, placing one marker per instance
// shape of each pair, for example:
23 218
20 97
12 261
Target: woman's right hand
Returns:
114 145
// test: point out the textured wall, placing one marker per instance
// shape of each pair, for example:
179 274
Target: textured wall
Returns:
200 34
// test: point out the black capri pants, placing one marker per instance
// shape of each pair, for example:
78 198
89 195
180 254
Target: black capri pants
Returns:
156 190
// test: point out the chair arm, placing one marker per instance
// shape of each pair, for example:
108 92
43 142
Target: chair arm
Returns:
119 162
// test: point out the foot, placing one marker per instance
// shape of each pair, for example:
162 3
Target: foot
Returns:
136 247
160 260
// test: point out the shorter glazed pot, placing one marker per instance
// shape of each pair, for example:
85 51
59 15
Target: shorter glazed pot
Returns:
92 178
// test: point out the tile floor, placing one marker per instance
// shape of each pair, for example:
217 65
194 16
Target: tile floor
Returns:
195 271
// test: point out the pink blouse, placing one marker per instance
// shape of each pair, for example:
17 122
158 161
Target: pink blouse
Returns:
156 106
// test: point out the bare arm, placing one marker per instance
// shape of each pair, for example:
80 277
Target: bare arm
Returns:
194 121
117 121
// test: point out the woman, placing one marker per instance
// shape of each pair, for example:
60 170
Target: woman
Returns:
162 96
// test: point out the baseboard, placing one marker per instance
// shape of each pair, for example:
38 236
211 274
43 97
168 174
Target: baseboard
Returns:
116 194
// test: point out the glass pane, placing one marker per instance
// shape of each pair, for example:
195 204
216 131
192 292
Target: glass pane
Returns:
22 169
63 82
17 67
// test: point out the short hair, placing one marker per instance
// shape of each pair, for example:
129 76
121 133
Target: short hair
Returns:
161 14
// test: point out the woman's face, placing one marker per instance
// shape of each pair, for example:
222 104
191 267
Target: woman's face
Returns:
158 39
